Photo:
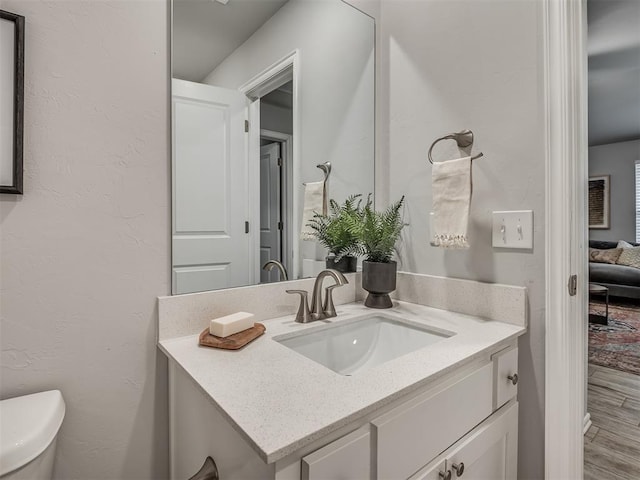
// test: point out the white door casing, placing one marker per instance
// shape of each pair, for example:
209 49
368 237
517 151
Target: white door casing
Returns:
209 163
565 81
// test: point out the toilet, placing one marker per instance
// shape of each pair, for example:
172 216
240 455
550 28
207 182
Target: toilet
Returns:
28 429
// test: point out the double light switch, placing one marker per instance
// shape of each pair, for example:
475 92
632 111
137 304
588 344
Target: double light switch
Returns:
513 229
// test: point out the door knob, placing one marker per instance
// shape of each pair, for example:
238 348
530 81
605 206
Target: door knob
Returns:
208 471
513 378
458 468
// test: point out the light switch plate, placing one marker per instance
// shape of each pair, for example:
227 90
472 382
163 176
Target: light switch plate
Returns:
513 229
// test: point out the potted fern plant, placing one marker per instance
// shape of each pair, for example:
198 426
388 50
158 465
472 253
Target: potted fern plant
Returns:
334 232
377 234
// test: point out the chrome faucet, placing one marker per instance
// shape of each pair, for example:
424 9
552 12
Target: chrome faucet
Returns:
319 309
274 263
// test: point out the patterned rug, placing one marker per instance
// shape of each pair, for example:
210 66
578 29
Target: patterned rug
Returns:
616 345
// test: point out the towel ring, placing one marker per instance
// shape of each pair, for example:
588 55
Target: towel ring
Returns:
463 139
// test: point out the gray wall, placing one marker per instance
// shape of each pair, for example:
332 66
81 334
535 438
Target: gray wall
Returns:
618 161
85 251
450 65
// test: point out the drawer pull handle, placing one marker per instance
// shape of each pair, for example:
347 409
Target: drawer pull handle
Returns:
445 475
513 378
459 468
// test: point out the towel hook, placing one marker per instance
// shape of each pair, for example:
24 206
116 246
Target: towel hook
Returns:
326 169
463 139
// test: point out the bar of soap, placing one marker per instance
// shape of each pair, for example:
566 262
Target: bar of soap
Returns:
230 324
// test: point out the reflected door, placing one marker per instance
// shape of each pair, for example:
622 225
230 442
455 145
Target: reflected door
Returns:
270 210
210 229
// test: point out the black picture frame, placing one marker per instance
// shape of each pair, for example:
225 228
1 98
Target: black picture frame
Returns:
16 185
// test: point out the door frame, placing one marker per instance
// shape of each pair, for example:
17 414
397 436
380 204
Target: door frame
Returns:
288 238
264 82
565 93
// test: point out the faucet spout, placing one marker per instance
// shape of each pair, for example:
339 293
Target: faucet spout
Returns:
274 263
318 311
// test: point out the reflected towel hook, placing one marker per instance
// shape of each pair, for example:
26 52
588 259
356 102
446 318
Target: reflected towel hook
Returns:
326 169
463 139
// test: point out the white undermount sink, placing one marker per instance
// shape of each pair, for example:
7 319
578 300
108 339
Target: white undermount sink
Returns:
355 345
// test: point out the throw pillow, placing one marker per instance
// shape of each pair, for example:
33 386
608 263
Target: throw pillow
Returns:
610 255
630 257
623 244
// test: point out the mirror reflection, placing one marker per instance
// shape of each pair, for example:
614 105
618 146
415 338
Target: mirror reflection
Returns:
272 115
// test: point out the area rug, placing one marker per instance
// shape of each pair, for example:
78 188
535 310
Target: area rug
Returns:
616 345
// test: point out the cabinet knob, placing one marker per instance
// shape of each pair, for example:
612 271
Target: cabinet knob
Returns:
445 475
458 468
513 378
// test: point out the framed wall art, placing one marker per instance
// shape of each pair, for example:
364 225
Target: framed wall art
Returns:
11 101
599 202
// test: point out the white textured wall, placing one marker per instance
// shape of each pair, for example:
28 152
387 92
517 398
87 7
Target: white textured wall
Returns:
85 251
617 160
447 65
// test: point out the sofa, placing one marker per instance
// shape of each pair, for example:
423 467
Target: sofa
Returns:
622 281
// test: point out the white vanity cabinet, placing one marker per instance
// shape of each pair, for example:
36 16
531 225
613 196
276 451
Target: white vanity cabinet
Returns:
464 423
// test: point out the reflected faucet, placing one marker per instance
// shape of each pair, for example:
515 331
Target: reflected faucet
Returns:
319 309
274 263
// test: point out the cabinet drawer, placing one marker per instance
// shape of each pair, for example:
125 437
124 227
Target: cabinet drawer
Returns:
412 435
347 458
505 365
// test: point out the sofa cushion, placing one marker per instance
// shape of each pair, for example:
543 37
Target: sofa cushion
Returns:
614 274
609 255
604 244
629 257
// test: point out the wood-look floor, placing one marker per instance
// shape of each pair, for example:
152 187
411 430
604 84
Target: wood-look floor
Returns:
612 444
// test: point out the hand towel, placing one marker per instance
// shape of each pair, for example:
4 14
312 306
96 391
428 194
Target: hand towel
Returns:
451 189
315 201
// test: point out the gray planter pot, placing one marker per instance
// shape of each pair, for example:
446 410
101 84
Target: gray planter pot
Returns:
379 279
347 264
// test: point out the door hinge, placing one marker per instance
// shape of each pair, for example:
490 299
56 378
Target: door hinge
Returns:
573 285
279 162
246 125
246 227
280 226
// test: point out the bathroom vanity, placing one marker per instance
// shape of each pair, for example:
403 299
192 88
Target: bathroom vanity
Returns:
274 410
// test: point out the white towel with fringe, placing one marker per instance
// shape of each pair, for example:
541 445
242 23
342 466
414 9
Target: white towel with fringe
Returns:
451 189
315 201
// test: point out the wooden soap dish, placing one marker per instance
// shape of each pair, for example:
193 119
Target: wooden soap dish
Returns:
232 342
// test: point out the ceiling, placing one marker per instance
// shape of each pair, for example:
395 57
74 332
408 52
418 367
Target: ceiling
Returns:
205 32
614 70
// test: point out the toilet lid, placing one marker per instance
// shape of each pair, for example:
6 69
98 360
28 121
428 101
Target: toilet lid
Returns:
28 424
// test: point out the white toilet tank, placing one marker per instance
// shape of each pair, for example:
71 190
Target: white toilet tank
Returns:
28 429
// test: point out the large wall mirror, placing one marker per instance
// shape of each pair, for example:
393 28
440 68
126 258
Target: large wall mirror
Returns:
266 95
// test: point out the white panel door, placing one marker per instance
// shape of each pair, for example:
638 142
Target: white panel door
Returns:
210 189
270 210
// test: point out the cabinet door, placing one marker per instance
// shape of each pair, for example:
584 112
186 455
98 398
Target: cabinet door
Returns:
490 452
347 458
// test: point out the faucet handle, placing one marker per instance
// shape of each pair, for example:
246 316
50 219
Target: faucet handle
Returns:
329 308
303 315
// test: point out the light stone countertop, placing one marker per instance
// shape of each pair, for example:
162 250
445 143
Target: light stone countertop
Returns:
281 401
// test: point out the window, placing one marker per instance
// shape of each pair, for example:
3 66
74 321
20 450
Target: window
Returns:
638 201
